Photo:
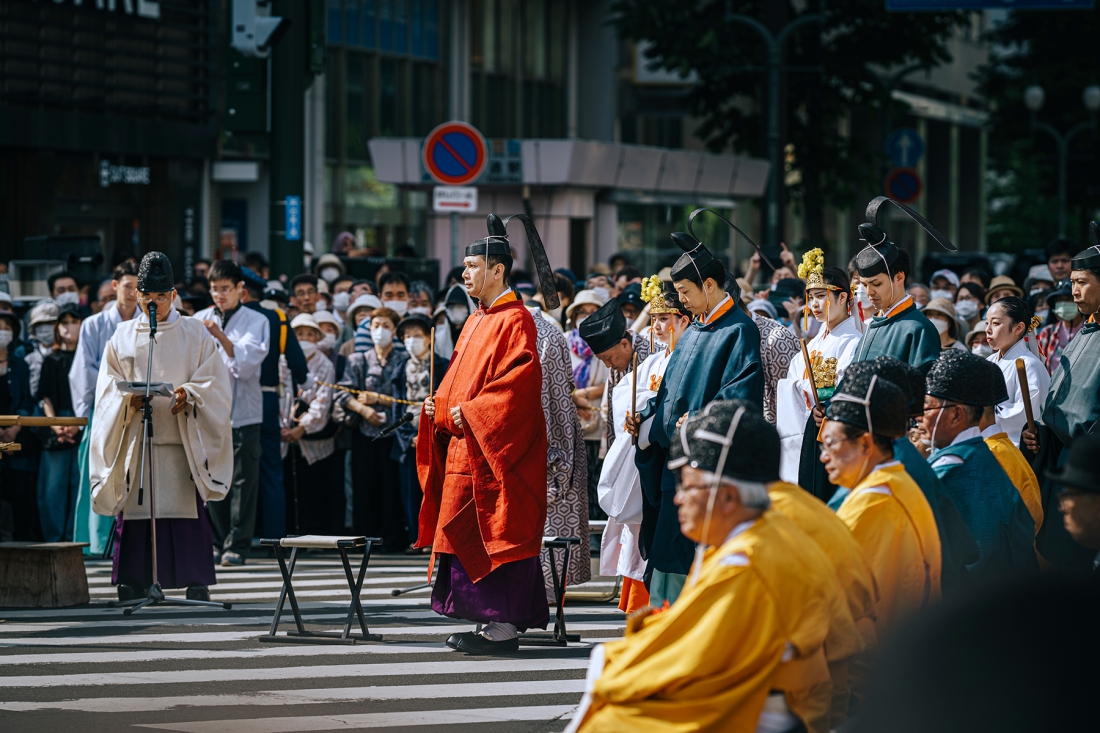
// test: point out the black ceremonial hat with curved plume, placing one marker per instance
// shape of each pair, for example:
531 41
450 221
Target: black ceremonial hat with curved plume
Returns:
155 274
695 252
880 254
497 244
1090 258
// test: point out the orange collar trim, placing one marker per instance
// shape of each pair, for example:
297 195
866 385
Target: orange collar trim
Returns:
900 306
509 297
722 310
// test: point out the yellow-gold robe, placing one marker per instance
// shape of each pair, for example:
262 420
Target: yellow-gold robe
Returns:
1019 473
893 523
809 697
709 662
852 570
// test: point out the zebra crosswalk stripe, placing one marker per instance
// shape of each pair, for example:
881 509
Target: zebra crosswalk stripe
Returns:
203 671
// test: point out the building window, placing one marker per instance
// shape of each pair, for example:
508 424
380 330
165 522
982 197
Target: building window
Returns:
517 60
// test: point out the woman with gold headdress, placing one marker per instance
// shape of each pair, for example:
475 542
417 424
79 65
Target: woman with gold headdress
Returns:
620 489
830 351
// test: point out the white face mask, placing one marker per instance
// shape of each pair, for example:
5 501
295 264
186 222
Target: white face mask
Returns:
581 320
341 301
444 346
308 348
5 338
328 274
44 335
421 310
381 336
945 294
416 345
966 309
400 307
68 297
1043 314
982 350
457 314
320 306
941 326
326 343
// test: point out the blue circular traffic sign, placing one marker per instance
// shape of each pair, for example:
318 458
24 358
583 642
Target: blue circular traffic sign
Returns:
905 147
904 185
455 154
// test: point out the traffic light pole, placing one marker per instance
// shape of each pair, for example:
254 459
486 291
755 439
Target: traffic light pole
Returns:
289 79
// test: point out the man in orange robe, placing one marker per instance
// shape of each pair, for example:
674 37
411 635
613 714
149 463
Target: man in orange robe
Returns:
481 458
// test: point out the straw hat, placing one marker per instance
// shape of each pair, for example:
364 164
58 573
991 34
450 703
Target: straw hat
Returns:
1001 284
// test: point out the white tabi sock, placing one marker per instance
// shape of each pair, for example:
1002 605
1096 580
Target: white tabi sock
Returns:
499 632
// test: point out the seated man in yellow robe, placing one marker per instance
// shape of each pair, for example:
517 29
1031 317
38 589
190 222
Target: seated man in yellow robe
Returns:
745 642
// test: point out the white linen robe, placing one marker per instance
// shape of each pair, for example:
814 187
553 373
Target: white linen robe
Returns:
620 488
191 450
793 400
1011 416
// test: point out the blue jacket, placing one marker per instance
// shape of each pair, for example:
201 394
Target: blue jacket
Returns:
295 359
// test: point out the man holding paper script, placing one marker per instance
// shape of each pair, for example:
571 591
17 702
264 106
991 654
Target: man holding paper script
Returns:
192 448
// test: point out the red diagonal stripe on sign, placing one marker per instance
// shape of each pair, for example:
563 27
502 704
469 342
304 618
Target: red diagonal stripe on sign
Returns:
457 157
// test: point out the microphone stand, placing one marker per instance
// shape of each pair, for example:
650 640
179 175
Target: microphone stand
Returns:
156 595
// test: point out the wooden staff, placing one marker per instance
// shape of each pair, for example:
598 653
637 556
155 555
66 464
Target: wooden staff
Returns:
1021 374
634 394
8 421
810 371
431 368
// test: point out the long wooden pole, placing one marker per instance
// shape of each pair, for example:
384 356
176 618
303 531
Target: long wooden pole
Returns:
431 368
8 421
1025 392
634 394
810 371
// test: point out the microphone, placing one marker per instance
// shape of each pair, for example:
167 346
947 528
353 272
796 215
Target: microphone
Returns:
152 318
405 420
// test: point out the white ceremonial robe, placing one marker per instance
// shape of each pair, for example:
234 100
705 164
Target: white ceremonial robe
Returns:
620 488
191 450
793 400
1011 416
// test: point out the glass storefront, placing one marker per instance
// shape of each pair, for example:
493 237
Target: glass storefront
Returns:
645 229
384 219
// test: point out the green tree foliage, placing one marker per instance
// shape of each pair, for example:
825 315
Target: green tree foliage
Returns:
828 76
1057 51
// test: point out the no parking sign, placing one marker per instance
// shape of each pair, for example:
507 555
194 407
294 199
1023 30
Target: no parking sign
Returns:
455 154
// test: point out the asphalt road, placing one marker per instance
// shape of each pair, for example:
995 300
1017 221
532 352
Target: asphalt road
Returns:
91 669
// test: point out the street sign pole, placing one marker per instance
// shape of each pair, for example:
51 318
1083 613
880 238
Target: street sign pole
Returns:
287 157
454 239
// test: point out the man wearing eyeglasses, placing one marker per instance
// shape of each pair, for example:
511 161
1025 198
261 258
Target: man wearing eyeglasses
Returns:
243 337
191 460
960 386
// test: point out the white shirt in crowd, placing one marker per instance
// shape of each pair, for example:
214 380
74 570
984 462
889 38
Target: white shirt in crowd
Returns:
250 335
95 332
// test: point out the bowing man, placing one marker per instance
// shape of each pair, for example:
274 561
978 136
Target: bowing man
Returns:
717 359
748 633
960 386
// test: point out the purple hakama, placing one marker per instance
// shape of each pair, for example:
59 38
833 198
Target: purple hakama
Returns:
184 556
513 594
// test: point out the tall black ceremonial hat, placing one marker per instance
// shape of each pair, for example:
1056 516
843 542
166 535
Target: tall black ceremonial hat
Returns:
155 274
868 401
897 373
736 428
1089 259
604 328
959 376
881 253
1079 470
497 244
696 256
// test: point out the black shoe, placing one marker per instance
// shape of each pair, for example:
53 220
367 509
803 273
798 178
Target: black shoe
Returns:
129 592
198 593
455 639
478 644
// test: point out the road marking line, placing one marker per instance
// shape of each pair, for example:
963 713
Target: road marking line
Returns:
348 671
372 720
276 698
